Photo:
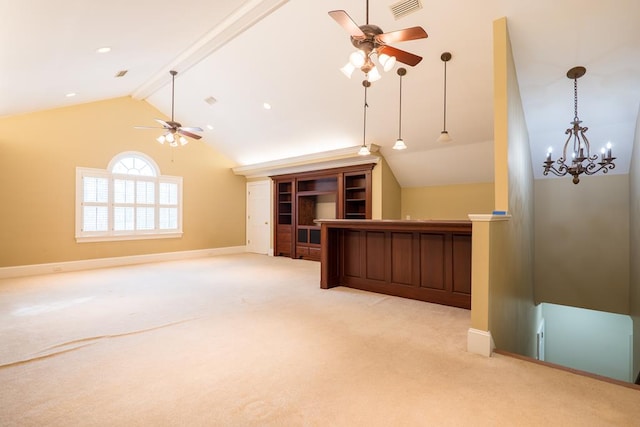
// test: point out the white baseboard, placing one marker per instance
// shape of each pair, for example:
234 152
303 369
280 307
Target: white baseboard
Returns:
480 342
59 267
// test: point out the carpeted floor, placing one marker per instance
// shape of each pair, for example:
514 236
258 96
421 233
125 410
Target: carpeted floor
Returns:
251 340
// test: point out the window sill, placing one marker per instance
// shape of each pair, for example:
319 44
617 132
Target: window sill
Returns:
123 237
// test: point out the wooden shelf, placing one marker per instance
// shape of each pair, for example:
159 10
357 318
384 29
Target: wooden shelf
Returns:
300 199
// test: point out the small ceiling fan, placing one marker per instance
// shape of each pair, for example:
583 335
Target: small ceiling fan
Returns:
370 39
175 132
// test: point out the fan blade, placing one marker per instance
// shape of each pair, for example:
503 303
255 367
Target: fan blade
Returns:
345 21
401 55
189 129
164 124
147 127
412 33
181 131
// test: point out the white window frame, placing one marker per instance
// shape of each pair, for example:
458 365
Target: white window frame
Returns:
110 234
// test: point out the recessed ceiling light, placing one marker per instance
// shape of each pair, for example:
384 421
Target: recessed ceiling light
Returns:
210 127
70 95
103 49
210 100
266 106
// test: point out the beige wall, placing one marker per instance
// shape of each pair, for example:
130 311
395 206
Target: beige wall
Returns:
634 243
582 242
448 201
513 317
39 153
386 192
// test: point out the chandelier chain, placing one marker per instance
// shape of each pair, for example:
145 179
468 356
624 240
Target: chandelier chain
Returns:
575 99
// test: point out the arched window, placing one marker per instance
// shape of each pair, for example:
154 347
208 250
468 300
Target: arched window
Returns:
128 200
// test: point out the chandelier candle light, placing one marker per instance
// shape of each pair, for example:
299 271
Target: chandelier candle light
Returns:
400 145
581 159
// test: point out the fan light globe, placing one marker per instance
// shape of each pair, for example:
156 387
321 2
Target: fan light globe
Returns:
374 75
183 140
357 58
387 61
160 139
348 69
170 138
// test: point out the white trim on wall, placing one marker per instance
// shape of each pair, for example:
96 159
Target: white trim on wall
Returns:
59 267
480 342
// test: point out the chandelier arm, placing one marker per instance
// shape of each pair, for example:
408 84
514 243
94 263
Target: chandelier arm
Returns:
564 157
603 166
554 171
562 170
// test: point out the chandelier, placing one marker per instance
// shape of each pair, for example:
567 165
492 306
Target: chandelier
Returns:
578 145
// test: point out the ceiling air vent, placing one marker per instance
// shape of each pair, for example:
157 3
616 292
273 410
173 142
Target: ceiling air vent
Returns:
405 7
121 73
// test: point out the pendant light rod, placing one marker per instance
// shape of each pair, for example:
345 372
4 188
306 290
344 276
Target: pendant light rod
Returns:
444 135
173 86
401 72
445 58
364 151
367 11
400 145
366 84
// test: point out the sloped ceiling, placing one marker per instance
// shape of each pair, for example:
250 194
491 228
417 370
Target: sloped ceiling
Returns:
288 53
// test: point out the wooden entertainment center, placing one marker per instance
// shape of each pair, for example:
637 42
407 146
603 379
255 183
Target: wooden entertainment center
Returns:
302 198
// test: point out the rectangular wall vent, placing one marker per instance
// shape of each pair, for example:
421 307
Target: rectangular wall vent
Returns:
405 7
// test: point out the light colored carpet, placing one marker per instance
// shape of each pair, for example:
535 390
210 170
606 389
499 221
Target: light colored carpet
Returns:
250 340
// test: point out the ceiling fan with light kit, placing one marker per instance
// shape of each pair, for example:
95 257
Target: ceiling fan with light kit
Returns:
174 131
370 40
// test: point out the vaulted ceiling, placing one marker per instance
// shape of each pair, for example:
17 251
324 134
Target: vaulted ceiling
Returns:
288 53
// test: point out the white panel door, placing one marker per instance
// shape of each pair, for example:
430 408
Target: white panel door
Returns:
258 216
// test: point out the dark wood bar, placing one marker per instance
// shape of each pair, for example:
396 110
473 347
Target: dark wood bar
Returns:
423 260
